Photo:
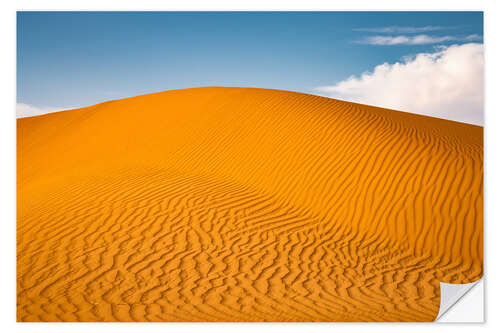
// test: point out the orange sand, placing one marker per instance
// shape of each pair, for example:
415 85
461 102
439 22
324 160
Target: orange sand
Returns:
236 204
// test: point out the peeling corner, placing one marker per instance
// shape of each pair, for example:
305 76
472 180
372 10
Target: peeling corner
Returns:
451 294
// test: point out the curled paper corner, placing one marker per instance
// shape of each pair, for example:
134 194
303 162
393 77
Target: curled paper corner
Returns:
454 296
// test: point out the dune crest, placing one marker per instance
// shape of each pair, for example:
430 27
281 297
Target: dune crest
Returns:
241 204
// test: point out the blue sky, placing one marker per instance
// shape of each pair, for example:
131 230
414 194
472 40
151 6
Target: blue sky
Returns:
68 59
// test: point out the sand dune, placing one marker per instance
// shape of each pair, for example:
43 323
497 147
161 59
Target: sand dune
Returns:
238 204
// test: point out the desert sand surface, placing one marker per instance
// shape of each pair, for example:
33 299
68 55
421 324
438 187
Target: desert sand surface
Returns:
242 204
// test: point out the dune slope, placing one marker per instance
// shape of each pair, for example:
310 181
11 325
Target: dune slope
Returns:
239 204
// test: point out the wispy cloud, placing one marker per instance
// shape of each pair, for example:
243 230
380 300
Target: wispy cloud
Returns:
402 30
415 40
473 37
27 110
447 83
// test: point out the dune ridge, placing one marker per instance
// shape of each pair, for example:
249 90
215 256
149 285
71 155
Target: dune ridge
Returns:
244 204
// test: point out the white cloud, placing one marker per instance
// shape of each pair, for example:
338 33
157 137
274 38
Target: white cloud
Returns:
27 110
445 84
402 30
473 37
414 40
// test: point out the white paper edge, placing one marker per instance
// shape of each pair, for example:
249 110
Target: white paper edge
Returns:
460 304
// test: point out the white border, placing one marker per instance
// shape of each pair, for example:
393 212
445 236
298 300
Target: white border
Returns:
7 132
